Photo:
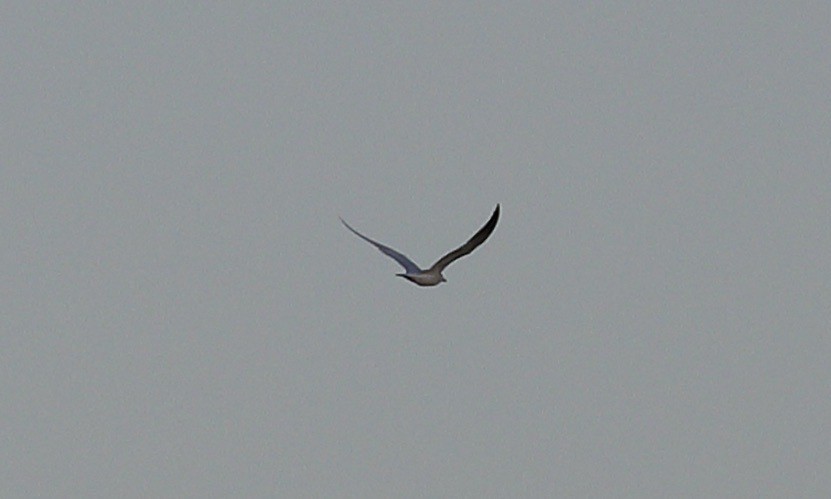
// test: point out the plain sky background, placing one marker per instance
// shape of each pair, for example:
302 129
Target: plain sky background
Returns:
183 315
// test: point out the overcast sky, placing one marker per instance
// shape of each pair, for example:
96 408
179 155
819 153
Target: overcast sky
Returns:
183 315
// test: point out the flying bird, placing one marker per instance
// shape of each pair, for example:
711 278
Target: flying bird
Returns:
433 275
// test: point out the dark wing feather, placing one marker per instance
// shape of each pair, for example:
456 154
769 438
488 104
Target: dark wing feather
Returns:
402 260
470 245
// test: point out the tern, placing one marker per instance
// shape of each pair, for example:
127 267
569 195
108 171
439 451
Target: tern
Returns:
432 276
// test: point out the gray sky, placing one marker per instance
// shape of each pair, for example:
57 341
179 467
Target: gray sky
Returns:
183 315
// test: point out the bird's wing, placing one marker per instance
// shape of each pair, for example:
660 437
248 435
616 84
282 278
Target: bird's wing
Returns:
402 260
470 245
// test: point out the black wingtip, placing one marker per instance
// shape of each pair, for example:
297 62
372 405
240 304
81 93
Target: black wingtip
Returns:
486 230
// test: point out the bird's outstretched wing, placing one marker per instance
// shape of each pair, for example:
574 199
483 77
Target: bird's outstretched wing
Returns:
402 260
470 245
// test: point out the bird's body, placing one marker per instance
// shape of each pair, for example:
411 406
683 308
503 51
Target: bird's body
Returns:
425 278
432 276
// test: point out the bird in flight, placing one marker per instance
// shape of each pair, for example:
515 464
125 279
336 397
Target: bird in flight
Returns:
433 275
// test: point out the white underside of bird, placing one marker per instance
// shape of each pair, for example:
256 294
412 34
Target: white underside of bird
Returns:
433 275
